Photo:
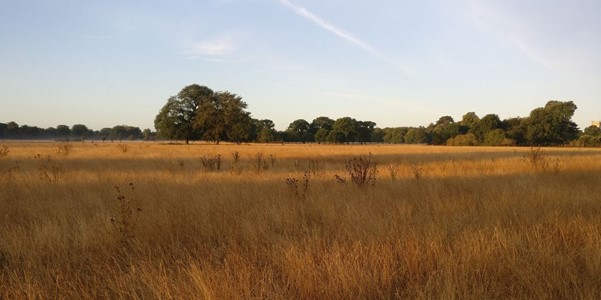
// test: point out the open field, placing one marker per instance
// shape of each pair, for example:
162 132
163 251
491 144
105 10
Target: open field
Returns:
146 220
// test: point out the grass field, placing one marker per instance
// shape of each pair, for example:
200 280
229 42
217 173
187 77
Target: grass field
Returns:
147 220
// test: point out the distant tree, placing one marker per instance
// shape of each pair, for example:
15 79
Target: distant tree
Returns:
336 137
239 125
318 123
552 124
299 131
2 130
30 132
364 131
322 122
79 131
105 133
592 131
468 139
416 136
495 138
132 133
344 130
148 134
442 130
590 137
118 132
264 131
395 135
63 131
321 136
224 117
49 133
176 120
515 129
488 123
445 120
12 130
284 136
468 121
377 136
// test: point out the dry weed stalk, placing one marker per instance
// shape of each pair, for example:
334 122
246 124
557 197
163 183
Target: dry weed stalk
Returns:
211 163
123 147
293 185
260 163
48 169
4 150
65 148
127 216
340 179
417 172
539 160
235 157
393 171
13 170
362 170
272 160
315 167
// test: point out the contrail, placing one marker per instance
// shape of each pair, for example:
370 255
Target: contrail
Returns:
303 12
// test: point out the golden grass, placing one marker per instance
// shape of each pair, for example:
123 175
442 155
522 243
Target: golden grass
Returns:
441 222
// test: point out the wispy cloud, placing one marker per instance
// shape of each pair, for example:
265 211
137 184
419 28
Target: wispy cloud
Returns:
216 48
219 47
341 33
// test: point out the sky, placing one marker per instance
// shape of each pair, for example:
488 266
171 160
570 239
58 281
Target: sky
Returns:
393 62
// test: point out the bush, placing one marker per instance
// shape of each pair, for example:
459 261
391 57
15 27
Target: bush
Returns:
589 141
494 138
463 140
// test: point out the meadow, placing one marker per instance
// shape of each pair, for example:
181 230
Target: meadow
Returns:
272 221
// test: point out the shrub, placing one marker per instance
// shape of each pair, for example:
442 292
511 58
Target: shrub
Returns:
494 137
463 140
589 141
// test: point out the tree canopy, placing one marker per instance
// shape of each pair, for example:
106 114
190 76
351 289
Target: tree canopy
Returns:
177 117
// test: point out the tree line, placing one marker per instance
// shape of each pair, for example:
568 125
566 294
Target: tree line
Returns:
14 131
199 113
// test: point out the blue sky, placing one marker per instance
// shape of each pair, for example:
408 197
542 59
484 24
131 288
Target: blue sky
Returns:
394 62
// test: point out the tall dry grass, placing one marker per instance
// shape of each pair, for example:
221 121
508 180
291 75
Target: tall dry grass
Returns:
440 222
